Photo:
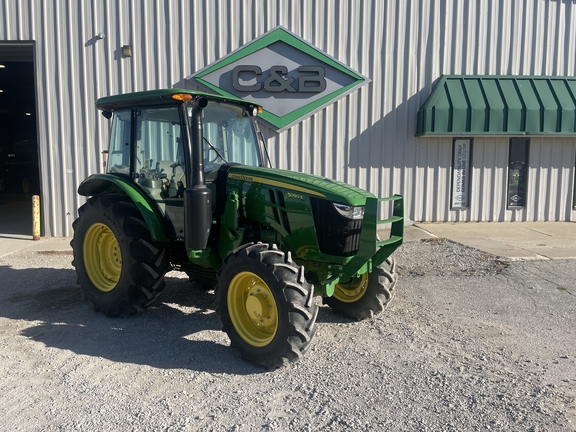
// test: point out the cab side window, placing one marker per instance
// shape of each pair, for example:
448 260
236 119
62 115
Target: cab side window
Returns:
119 150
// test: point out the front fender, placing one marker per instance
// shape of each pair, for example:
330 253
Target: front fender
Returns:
99 183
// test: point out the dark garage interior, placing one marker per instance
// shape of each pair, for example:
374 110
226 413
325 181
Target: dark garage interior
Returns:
19 159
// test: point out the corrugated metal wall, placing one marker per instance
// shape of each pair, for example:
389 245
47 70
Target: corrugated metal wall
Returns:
366 139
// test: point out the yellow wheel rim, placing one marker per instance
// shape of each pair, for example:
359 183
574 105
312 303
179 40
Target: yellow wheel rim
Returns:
352 292
102 257
252 309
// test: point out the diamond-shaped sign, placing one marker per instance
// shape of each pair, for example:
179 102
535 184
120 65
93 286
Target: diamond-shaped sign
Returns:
290 78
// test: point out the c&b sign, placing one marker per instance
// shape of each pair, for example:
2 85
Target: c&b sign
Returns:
290 78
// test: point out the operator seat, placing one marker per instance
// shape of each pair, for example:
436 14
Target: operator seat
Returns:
174 183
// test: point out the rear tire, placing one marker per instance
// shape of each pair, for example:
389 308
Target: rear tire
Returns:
120 268
368 295
266 305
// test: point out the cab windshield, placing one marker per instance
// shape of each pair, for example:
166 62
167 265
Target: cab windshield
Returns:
229 136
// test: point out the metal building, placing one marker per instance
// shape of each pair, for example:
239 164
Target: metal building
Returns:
424 124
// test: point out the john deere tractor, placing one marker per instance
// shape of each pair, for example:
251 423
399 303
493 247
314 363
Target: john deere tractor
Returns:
186 188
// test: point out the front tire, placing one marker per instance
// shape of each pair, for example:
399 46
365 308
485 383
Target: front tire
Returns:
120 268
266 305
366 296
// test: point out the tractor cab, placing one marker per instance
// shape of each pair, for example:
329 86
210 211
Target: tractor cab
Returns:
154 144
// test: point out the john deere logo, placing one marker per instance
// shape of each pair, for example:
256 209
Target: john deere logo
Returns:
290 78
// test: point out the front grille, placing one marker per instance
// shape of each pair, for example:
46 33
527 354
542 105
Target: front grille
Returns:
336 234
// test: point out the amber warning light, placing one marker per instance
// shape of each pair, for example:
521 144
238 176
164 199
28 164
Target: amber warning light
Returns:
182 97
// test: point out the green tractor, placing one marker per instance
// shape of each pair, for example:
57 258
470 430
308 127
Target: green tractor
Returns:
186 189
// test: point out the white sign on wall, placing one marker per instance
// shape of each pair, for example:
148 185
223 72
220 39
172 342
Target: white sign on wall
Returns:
461 173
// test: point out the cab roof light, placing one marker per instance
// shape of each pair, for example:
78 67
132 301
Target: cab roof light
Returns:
186 97
256 110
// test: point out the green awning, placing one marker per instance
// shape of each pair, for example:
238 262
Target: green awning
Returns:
500 105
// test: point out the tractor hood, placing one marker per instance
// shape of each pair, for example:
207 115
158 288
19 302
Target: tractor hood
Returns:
312 185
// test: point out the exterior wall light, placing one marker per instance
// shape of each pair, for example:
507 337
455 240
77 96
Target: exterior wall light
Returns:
127 51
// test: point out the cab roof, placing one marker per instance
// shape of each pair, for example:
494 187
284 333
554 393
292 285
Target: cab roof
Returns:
158 97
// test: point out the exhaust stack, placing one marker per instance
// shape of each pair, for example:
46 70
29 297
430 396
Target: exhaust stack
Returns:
197 197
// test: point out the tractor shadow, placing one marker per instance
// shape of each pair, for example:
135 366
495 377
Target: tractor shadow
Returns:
181 331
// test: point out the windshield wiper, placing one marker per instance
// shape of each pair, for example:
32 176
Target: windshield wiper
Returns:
215 150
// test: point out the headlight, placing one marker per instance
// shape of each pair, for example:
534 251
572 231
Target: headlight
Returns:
349 212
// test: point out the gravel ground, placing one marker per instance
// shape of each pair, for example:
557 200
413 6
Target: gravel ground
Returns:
470 343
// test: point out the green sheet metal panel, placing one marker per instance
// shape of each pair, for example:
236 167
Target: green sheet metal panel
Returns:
458 105
531 107
551 108
567 115
495 106
571 85
477 112
512 104
441 112
500 105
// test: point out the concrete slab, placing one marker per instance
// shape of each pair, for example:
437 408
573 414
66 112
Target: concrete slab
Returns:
514 240
16 229
494 247
10 245
412 233
555 252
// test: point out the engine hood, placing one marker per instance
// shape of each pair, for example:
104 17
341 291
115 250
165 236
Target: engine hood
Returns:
311 185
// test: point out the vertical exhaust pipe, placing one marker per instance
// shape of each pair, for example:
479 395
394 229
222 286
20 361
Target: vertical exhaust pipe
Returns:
197 197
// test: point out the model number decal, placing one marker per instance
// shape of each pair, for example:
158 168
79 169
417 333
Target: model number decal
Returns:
293 195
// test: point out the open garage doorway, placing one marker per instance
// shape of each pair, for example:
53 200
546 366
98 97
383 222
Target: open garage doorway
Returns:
19 159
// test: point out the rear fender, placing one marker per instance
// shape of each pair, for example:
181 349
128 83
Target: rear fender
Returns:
99 183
